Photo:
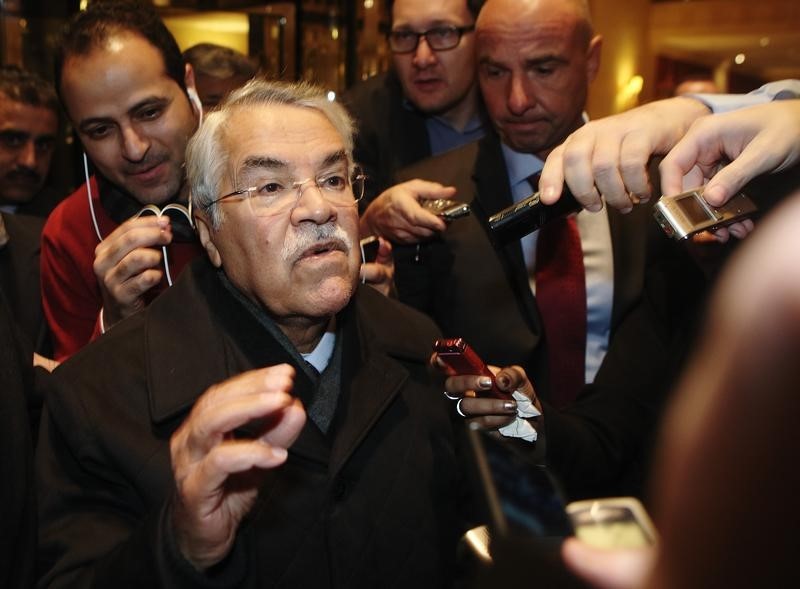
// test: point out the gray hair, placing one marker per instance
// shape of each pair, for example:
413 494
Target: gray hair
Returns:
206 160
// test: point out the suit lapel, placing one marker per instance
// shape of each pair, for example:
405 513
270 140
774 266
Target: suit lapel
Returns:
372 377
232 342
493 193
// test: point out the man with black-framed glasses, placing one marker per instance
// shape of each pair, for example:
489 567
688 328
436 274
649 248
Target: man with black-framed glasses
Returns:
427 103
268 421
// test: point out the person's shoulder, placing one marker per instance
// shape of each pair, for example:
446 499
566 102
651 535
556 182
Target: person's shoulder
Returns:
381 85
23 227
68 211
372 100
112 350
447 167
396 327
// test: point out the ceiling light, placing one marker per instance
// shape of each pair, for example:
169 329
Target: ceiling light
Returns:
739 59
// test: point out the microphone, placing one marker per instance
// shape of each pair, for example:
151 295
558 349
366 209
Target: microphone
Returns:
530 214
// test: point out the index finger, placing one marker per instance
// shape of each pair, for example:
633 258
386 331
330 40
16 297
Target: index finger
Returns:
551 181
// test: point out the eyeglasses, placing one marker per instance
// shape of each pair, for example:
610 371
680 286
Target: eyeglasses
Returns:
275 194
438 38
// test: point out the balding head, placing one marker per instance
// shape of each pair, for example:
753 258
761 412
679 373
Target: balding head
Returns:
536 59
516 12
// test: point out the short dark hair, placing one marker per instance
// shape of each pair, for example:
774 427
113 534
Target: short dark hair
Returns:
218 61
103 18
474 6
27 88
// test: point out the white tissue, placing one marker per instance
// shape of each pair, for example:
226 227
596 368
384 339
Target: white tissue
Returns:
521 427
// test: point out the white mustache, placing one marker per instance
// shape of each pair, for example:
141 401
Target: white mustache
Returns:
308 236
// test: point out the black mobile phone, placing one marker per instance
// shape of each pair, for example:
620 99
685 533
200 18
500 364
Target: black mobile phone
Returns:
459 358
369 249
446 208
521 498
529 215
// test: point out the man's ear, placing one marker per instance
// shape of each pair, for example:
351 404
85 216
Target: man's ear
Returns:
205 233
191 92
593 57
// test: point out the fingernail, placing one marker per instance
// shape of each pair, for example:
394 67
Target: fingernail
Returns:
485 382
510 406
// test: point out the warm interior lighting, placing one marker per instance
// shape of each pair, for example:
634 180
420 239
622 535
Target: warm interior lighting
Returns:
763 41
634 86
739 59
223 28
334 33
369 4
628 94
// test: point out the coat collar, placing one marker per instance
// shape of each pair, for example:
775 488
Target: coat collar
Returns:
223 344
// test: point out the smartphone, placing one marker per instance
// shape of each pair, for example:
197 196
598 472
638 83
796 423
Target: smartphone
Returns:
369 249
683 215
613 522
522 499
530 214
446 208
460 358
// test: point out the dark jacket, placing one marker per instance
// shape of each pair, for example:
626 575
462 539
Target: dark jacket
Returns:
19 278
391 134
17 497
371 504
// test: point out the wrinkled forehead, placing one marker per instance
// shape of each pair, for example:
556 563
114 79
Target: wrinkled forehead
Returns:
26 117
291 139
117 72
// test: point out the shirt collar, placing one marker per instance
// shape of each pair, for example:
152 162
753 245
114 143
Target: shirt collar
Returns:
520 166
320 356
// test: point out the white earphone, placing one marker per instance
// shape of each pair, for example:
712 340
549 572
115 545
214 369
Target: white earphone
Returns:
195 100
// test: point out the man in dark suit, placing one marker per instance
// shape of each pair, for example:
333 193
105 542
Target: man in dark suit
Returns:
19 277
428 102
535 61
267 421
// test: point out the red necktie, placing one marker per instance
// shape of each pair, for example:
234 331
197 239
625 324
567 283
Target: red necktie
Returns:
561 298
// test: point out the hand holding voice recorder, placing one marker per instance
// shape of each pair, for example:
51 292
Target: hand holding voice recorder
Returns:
683 215
446 208
530 214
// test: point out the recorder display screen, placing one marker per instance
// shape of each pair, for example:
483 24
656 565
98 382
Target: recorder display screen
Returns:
694 210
